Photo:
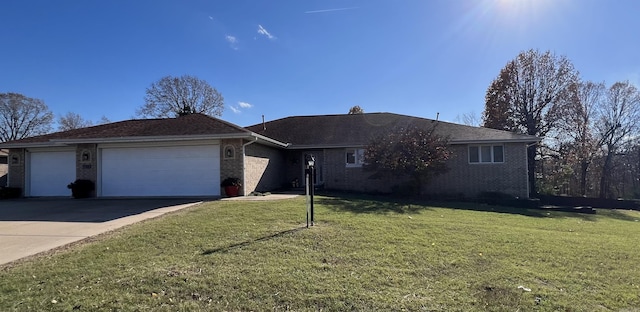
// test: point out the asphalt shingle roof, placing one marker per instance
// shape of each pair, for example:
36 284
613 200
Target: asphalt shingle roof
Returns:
360 129
299 131
194 124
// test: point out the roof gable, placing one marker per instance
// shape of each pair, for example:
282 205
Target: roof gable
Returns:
360 129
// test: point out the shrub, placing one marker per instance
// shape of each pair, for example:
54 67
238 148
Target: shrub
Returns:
494 198
231 182
81 188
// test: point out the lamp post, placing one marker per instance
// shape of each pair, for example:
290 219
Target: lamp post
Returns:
309 181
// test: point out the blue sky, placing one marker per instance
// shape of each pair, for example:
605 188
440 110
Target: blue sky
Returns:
293 57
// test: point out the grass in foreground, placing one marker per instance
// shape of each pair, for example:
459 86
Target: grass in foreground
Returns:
363 254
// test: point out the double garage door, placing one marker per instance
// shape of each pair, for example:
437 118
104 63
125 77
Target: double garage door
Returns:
133 171
160 171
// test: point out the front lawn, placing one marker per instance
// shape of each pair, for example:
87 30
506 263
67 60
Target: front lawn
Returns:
364 254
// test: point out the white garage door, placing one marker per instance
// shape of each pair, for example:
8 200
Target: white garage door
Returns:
51 172
160 171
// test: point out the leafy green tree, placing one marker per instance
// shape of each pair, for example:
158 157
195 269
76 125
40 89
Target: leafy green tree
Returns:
176 96
22 117
409 152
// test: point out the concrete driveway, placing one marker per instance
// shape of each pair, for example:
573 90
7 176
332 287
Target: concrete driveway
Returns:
31 226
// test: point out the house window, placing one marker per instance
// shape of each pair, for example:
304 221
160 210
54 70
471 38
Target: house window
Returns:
354 157
486 154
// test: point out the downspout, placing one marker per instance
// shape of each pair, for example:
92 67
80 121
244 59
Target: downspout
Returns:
244 173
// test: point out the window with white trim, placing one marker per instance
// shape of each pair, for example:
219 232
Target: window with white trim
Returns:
485 154
354 157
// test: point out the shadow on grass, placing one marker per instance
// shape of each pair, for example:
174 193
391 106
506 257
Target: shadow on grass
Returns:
361 203
618 215
249 242
529 212
370 204
379 204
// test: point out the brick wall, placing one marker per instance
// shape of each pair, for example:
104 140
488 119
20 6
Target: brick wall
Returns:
87 163
231 166
17 168
509 177
340 177
264 168
4 169
463 178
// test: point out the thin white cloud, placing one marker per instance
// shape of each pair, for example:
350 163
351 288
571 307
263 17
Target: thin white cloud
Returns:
245 105
264 32
233 41
330 10
235 109
211 17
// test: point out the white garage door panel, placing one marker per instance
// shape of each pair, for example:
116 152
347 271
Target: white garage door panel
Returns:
51 172
161 171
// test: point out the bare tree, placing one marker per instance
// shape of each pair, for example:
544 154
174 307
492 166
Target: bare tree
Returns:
527 95
22 117
72 121
577 125
411 152
469 119
356 110
175 96
619 115
103 120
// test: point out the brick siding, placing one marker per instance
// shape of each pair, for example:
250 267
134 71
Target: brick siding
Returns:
87 162
17 169
4 169
466 179
509 177
231 167
340 177
264 168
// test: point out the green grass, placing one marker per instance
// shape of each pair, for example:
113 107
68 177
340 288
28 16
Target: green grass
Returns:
363 254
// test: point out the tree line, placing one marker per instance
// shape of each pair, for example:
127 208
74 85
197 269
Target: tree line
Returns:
22 116
590 130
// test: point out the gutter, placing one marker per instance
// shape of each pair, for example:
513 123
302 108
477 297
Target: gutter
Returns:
140 139
531 141
453 142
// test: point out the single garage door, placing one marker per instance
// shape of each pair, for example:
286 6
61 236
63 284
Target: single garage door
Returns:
160 171
51 172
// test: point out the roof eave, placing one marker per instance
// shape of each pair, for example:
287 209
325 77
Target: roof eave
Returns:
30 145
139 139
457 142
321 146
491 141
268 140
